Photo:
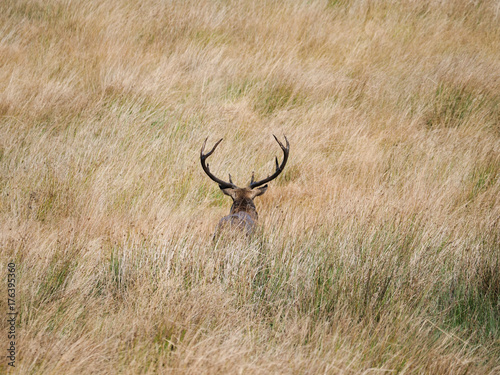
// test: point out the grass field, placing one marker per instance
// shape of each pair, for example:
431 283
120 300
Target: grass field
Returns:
379 248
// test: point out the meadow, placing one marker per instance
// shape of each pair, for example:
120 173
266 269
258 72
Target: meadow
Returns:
379 245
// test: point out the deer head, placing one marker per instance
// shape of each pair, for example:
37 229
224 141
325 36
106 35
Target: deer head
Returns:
243 213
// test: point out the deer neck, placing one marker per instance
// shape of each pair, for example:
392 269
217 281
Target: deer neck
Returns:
246 206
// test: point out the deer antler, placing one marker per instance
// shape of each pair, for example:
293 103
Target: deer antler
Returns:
279 168
203 157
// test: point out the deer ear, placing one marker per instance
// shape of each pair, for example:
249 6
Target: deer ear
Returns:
259 191
229 191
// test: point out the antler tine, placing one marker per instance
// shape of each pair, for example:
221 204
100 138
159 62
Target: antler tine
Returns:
222 184
277 140
279 168
211 151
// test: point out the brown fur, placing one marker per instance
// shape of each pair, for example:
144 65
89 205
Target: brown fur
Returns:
243 214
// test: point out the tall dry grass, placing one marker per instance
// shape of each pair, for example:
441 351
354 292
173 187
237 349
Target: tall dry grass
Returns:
380 243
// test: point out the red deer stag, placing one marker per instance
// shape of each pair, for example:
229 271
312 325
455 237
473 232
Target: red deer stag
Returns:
243 214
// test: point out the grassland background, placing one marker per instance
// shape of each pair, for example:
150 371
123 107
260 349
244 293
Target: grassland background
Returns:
380 243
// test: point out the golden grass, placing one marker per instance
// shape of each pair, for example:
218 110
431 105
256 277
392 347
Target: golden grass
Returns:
380 243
